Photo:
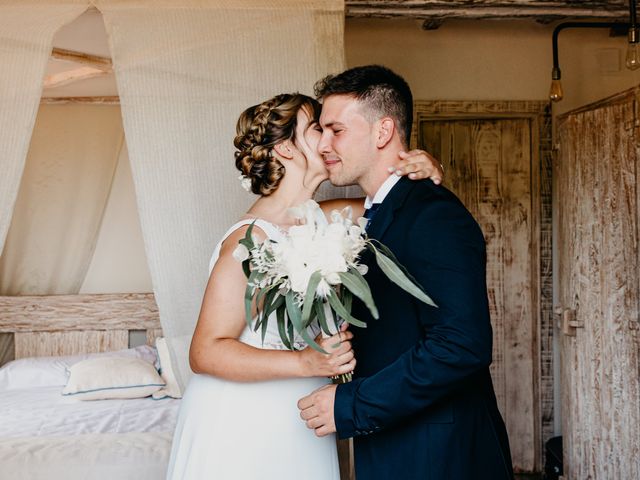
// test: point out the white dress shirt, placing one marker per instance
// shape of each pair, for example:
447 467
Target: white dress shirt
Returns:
382 192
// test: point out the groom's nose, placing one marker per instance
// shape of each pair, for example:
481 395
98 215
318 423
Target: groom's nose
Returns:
324 145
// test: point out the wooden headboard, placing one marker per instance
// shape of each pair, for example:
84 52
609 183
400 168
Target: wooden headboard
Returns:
72 324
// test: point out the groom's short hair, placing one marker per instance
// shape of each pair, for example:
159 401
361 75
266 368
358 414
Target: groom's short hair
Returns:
382 91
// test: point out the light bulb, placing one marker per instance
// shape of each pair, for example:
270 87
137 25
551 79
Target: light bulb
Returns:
555 93
633 56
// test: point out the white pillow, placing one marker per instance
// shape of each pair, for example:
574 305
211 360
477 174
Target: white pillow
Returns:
112 377
53 371
172 389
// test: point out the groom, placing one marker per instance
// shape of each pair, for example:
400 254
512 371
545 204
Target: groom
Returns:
421 404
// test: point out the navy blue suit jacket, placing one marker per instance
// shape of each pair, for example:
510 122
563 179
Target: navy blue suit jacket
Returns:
422 405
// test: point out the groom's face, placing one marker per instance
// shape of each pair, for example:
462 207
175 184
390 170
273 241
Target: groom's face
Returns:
347 144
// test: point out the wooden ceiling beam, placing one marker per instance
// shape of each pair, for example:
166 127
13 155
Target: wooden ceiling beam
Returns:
72 76
540 10
80 100
101 63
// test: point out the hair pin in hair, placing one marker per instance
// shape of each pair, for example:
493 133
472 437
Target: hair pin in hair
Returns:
245 182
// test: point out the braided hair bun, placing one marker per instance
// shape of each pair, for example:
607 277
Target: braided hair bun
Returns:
259 129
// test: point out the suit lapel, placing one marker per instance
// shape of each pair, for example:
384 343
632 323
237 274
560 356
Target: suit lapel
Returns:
385 214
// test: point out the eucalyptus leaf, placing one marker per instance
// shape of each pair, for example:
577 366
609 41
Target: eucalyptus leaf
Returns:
359 287
247 241
295 315
338 307
347 299
307 306
322 318
282 328
248 299
401 278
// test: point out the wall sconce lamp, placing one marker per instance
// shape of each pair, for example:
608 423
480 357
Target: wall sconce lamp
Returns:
633 50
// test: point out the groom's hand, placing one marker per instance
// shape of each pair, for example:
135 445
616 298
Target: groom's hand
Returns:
316 409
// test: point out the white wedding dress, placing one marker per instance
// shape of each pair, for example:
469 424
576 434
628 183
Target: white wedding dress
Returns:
243 431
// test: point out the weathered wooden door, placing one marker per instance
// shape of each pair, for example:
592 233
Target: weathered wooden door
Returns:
596 183
492 163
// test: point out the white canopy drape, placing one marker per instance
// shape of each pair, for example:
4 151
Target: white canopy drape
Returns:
26 32
185 69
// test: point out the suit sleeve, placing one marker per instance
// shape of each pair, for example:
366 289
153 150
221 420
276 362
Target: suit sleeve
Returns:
448 258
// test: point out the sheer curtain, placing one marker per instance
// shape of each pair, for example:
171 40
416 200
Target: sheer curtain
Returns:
62 197
26 33
185 70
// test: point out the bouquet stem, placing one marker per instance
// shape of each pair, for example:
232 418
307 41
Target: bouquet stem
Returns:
333 325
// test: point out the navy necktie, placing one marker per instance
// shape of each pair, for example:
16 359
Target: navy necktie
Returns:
370 212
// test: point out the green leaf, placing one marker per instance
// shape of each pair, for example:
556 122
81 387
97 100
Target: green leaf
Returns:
280 318
339 308
322 318
360 288
246 267
295 315
398 275
291 334
347 299
247 241
248 299
307 306
277 303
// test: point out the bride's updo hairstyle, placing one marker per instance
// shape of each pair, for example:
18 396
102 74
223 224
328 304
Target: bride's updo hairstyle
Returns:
261 127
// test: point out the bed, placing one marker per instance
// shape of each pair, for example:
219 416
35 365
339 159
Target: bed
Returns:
47 435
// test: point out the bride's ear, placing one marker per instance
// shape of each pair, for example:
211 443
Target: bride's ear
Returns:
284 149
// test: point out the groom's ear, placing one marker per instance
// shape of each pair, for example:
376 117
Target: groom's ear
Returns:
386 128
284 149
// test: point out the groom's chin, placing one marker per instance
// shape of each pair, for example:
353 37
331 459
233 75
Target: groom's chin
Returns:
338 181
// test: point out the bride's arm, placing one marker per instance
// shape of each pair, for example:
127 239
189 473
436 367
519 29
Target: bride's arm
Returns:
216 350
417 164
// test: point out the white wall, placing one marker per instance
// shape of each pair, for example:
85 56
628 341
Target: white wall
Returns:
119 263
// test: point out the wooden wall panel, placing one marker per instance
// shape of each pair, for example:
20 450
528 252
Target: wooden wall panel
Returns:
496 157
41 344
598 289
69 324
488 165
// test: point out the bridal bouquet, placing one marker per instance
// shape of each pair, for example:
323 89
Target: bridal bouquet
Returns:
312 274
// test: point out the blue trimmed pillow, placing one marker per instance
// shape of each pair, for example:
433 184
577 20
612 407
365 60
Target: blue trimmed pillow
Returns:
112 377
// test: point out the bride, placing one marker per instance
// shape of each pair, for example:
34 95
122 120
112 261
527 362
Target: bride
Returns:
238 418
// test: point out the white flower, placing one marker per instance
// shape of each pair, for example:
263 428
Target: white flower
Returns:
324 289
245 182
241 253
363 269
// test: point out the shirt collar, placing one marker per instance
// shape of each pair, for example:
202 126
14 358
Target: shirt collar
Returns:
383 191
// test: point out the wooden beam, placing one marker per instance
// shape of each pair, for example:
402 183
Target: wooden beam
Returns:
80 100
51 313
541 10
101 63
72 76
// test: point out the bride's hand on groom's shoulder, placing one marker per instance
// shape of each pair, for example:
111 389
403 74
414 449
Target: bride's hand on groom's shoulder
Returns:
338 360
418 164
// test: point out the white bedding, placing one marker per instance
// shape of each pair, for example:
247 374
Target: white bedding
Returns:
45 435
43 411
126 456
